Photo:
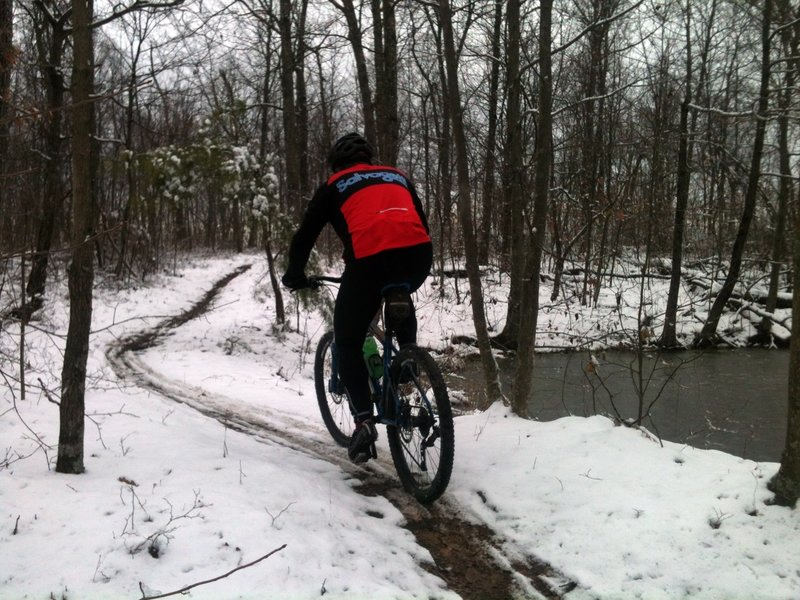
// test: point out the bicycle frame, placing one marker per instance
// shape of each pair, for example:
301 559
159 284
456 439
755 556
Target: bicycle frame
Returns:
383 392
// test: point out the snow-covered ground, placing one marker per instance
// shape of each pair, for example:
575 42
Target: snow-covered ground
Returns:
172 498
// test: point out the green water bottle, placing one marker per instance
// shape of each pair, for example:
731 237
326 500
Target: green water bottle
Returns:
373 358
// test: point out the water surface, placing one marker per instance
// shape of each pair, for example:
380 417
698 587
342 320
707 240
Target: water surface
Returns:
732 400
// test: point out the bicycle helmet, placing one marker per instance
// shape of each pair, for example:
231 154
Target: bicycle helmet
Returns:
349 150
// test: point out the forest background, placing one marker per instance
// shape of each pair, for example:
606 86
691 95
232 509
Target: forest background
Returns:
543 138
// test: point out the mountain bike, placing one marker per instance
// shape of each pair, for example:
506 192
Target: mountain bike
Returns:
410 397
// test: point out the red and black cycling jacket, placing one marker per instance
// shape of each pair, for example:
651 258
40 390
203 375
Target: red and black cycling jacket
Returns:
372 208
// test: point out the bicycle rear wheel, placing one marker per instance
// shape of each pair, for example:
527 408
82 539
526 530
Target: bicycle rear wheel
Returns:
331 395
422 442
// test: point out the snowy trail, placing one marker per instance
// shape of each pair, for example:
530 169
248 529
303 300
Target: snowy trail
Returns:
468 556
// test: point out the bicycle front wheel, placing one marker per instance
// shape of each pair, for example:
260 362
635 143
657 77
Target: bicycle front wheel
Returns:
331 395
422 441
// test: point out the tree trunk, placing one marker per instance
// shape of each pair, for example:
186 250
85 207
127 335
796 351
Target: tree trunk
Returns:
786 483
355 37
708 334
236 223
264 122
515 201
6 62
130 165
325 106
785 185
81 269
387 120
291 146
589 167
212 220
301 104
784 199
390 73
378 65
280 311
530 300
444 179
593 130
489 185
52 202
493 390
669 336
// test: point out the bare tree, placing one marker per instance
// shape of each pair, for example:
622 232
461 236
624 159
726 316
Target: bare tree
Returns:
84 210
51 34
790 37
387 121
668 337
493 390
786 483
290 126
140 27
301 93
81 269
513 184
6 63
707 335
489 187
437 139
598 14
356 39
541 193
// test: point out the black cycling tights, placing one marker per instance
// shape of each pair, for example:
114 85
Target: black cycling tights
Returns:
356 304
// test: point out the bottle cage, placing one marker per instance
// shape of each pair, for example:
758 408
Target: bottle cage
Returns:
397 305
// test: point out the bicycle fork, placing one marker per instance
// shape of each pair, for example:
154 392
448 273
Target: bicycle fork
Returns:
425 422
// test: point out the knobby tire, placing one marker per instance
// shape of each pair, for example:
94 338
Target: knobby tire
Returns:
335 408
405 439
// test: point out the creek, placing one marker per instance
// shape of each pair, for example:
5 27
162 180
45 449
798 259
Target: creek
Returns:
731 400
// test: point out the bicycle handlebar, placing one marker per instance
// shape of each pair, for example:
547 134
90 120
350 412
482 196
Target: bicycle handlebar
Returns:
328 278
316 281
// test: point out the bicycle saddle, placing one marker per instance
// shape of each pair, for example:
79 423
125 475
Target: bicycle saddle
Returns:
397 304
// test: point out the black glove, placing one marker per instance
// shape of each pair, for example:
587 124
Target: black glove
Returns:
295 281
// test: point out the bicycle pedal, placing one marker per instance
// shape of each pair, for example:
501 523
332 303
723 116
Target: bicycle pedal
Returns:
362 457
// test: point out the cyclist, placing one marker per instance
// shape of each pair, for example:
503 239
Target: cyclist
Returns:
376 212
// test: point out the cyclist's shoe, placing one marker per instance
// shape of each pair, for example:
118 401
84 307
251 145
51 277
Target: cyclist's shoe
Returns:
362 442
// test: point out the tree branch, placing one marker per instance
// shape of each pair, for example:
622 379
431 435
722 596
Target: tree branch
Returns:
119 11
199 583
584 32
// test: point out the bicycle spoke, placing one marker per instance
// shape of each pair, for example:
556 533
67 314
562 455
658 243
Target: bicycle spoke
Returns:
333 403
422 441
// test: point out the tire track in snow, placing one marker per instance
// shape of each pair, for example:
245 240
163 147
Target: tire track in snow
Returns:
467 556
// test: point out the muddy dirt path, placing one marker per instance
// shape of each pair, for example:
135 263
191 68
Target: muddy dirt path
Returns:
467 556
